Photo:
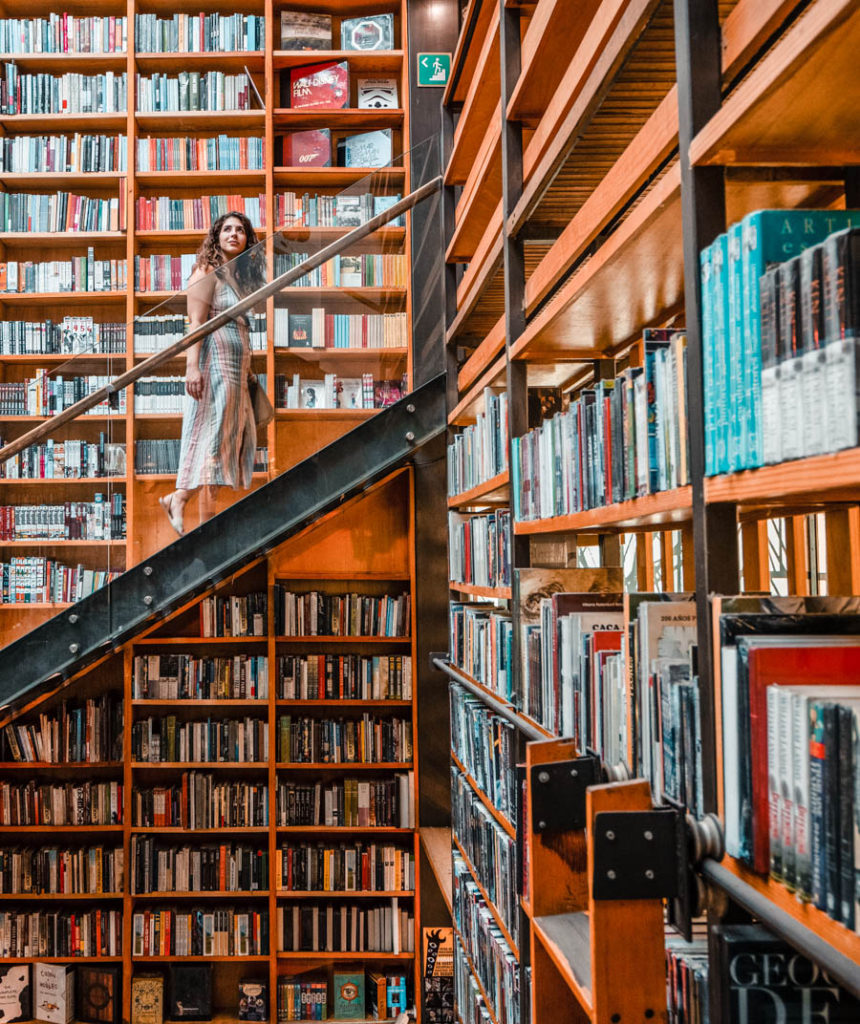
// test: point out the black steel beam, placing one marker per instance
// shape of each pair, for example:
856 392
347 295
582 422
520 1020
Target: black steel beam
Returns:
217 548
502 709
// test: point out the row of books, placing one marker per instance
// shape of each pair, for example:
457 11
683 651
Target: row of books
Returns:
334 392
332 211
356 995
170 740
77 274
304 31
34 580
349 803
191 677
319 329
313 148
315 613
199 33
64 33
68 803
344 677
60 933
487 949
161 213
345 867
44 395
155 333
492 852
71 93
201 801
480 451
481 640
156 866
90 732
735 349
211 153
479 548
60 212
234 614
74 520
159 394
70 336
161 456
471 1004
73 459
621 439
53 869
199 931
486 745
75 154
59 993
305 740
346 928
192 90
163 272
357 270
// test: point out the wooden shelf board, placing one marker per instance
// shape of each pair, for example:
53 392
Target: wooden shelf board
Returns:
202 765
500 819
61 828
60 239
77 766
496 490
78 298
466 410
497 917
92 896
339 177
793 108
180 831
468 588
19 606
198 120
482 191
85 63
324 414
663 510
489 349
204 894
25 123
344 120
365 62
346 830
61 358
437 846
253 958
182 641
567 941
355 955
231 61
71 958
816 480
309 894
464 61
285 702
85 481
480 272
200 179
346 639
347 766
195 703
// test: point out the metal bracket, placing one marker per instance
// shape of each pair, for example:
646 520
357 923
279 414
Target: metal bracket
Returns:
638 855
558 793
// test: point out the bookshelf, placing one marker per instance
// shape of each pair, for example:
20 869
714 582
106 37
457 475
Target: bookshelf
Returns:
260 172
576 217
336 555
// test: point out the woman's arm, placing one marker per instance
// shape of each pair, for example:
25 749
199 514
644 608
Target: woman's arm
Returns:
201 284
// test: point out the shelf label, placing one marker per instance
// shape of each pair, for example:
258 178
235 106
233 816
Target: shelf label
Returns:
434 68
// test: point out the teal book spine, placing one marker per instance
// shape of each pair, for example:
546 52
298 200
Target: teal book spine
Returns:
720 313
709 395
771 237
516 484
737 366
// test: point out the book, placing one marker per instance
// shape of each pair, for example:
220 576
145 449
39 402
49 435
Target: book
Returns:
147 999
54 994
369 32
310 148
14 993
301 30
253 999
348 990
376 93
370 149
99 994
301 327
319 86
191 991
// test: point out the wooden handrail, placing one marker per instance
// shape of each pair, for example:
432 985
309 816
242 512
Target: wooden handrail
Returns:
224 317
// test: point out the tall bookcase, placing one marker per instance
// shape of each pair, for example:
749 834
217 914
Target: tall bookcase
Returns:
367 547
295 433
591 156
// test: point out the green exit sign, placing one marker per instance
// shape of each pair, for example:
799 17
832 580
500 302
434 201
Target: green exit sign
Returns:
434 68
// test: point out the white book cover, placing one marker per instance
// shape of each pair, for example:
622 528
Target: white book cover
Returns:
54 999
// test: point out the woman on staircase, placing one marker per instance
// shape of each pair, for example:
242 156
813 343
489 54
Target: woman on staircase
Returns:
218 431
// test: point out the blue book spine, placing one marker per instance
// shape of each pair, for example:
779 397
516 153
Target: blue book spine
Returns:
737 370
720 316
706 271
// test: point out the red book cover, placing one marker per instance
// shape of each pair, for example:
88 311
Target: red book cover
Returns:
320 86
787 666
308 149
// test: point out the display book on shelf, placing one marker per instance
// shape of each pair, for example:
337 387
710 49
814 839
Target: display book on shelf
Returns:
95 165
316 836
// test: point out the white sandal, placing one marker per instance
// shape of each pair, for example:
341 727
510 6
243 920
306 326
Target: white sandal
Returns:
175 521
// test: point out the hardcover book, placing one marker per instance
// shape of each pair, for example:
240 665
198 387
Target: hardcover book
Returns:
301 326
147 999
320 86
190 992
348 987
98 994
302 31
370 32
253 999
377 93
308 149
54 993
370 149
15 993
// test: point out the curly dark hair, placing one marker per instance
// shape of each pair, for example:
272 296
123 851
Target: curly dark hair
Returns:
248 267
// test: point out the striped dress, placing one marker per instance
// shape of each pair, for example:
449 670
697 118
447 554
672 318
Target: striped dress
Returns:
218 432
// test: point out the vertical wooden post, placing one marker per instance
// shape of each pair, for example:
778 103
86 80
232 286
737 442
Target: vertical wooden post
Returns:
842 526
755 556
688 558
667 560
644 562
797 556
